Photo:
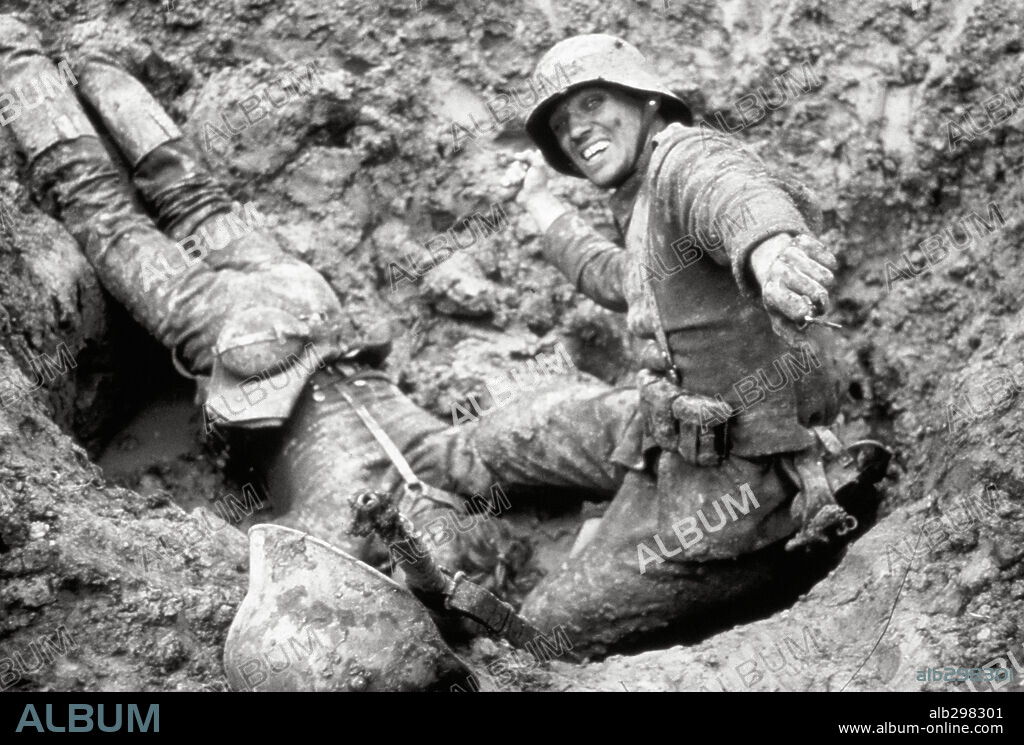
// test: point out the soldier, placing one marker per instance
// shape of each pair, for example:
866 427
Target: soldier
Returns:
723 282
719 464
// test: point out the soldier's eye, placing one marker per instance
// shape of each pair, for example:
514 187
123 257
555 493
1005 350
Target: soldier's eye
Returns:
592 101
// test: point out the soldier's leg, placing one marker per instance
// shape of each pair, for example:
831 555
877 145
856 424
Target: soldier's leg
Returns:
323 454
212 230
610 595
561 435
165 167
69 165
188 308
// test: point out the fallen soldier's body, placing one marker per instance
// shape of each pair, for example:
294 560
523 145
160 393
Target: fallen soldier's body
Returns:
278 363
664 452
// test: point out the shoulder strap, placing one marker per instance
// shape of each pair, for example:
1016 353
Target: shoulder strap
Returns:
642 211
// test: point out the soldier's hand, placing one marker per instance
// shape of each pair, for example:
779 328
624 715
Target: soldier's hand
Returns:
526 178
536 179
516 169
528 174
795 275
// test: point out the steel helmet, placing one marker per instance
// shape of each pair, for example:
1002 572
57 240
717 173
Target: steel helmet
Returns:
585 60
317 619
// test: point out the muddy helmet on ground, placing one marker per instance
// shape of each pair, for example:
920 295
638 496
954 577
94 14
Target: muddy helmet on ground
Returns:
586 60
317 619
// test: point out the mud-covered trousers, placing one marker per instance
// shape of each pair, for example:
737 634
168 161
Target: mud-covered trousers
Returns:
563 437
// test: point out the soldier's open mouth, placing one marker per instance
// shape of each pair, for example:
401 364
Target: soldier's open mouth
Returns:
594 149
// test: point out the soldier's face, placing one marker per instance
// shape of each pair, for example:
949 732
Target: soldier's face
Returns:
598 128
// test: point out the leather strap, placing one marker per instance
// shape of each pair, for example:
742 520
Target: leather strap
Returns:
386 443
660 336
815 506
813 481
375 513
829 441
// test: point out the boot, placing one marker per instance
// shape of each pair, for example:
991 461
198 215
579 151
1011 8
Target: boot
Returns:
166 169
281 308
69 167
41 108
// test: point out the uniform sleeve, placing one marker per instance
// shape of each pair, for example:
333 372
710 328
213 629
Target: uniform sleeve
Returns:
721 196
594 264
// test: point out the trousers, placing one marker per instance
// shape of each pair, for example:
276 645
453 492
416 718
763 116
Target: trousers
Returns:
612 594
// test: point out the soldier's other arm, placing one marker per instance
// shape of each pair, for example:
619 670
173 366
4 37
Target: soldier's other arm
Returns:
723 195
595 265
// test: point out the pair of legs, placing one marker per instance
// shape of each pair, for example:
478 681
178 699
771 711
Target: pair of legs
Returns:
184 299
564 437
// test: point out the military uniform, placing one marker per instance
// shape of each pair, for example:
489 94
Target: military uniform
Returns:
208 280
593 437
689 217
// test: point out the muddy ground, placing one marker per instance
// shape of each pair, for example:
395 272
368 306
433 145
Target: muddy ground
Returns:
903 121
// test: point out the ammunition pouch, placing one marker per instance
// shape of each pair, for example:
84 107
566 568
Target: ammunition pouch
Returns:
695 426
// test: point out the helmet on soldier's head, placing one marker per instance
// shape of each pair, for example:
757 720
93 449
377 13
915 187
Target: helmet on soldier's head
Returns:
587 60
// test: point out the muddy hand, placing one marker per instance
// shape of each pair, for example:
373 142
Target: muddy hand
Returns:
526 175
795 275
515 167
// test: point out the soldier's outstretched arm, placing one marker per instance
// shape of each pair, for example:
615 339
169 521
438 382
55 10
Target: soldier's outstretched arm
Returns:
723 194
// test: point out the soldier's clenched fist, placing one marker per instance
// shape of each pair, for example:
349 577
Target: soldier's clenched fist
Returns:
795 275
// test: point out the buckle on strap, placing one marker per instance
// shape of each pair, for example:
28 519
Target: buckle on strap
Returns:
815 506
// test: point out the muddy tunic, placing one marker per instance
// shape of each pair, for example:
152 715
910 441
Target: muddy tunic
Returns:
690 217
